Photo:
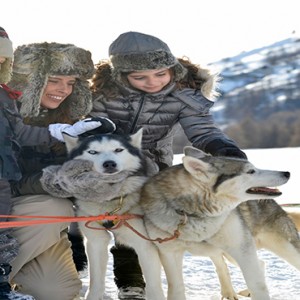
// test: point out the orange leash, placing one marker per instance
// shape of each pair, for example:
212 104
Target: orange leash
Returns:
119 219
37 220
124 222
175 235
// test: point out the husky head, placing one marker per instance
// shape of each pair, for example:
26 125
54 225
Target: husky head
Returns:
111 154
233 178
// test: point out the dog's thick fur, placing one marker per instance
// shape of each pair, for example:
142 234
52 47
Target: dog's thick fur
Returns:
105 174
205 199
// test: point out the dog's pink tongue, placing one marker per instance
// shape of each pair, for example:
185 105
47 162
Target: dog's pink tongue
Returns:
264 190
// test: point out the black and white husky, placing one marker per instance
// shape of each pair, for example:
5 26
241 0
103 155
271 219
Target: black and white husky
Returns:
105 174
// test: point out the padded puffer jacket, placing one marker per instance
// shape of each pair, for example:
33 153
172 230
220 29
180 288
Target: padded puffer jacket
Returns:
159 115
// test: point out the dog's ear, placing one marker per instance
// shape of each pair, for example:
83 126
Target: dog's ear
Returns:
194 152
194 165
70 141
136 139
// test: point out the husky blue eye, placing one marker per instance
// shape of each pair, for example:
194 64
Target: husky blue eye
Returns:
93 152
119 150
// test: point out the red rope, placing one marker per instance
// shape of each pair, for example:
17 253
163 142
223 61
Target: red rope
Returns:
160 240
61 219
119 220
125 223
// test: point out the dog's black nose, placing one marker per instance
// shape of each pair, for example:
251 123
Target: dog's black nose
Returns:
109 165
286 174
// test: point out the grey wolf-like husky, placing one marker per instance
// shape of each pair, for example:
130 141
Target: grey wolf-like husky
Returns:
204 201
104 174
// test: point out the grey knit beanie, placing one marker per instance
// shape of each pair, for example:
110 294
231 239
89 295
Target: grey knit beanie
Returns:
34 63
6 50
134 51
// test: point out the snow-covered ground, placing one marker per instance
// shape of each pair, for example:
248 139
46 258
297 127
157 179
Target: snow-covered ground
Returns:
201 280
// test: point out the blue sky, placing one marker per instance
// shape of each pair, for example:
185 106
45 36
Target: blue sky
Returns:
205 31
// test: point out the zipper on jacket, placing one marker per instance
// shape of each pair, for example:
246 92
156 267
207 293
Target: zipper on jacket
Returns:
137 115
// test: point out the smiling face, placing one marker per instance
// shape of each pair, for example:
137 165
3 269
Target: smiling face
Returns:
2 59
151 81
58 88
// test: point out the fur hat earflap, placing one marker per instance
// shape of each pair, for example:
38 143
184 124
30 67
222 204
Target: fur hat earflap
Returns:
134 51
34 63
6 50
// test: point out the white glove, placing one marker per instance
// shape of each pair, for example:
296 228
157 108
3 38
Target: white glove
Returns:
76 129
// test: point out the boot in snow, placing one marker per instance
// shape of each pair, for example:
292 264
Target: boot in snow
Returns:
6 292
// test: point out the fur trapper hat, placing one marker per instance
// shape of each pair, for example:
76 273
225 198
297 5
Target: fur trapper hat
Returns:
34 63
134 51
6 50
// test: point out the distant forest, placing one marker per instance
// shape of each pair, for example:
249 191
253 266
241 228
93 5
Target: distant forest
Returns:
281 129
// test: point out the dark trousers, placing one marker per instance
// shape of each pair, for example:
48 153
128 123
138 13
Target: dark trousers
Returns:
127 269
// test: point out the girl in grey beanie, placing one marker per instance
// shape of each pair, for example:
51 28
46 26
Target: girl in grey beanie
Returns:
143 85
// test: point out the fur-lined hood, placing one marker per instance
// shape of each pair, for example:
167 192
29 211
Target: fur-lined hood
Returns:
211 79
200 77
210 84
34 63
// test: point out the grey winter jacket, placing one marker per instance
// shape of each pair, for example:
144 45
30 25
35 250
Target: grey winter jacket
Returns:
159 115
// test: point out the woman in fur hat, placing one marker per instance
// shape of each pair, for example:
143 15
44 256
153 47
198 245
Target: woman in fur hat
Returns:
53 79
13 134
144 85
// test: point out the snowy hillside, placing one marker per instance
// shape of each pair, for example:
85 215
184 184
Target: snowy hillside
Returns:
266 78
200 278
259 105
282 57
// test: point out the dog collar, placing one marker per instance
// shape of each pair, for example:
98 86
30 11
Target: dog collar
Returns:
108 224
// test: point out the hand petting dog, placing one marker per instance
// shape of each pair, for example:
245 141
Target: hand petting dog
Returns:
77 178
